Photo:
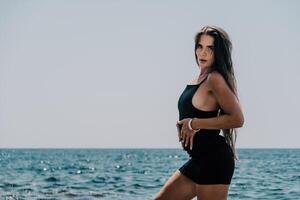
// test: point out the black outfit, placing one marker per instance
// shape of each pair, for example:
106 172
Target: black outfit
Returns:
211 159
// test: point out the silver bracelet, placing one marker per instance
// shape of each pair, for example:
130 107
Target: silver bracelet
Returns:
190 125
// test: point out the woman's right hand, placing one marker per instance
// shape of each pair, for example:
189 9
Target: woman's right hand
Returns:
186 136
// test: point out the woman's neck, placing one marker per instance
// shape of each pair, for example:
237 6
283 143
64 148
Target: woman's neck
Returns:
204 72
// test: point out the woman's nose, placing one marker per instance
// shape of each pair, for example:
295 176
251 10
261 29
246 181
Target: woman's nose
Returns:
202 53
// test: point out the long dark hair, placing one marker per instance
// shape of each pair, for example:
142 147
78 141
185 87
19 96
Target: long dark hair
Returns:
222 64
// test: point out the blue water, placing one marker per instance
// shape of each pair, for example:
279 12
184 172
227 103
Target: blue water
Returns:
136 173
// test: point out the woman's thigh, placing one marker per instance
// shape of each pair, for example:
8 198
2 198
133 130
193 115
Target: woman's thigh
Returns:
212 192
178 187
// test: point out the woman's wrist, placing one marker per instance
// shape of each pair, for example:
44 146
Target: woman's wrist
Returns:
190 126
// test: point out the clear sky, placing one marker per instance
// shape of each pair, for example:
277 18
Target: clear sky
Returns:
108 74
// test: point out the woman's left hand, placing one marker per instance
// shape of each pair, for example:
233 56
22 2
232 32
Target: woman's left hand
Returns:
186 135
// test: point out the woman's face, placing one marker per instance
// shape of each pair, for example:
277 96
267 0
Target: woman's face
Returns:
205 51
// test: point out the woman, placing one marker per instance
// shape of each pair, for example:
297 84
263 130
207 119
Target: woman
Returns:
207 105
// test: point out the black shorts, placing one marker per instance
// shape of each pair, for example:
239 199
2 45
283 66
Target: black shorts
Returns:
211 160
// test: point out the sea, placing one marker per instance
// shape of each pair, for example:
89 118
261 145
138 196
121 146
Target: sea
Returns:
137 174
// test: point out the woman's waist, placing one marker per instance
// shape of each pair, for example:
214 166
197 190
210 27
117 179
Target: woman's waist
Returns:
208 141
198 114
209 144
209 132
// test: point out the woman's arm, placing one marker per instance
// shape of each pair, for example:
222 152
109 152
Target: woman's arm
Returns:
233 115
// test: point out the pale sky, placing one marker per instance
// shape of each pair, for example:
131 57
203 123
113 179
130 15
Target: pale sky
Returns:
108 74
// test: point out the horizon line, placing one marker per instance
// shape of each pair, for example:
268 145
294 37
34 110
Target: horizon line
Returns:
135 148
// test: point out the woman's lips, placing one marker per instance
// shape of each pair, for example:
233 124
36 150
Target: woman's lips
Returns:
202 60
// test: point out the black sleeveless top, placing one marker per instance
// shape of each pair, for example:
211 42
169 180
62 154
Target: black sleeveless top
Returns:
211 157
203 140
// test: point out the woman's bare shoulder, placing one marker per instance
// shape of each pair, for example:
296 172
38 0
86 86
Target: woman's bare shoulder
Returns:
215 78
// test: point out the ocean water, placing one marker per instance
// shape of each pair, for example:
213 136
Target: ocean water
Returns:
112 174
